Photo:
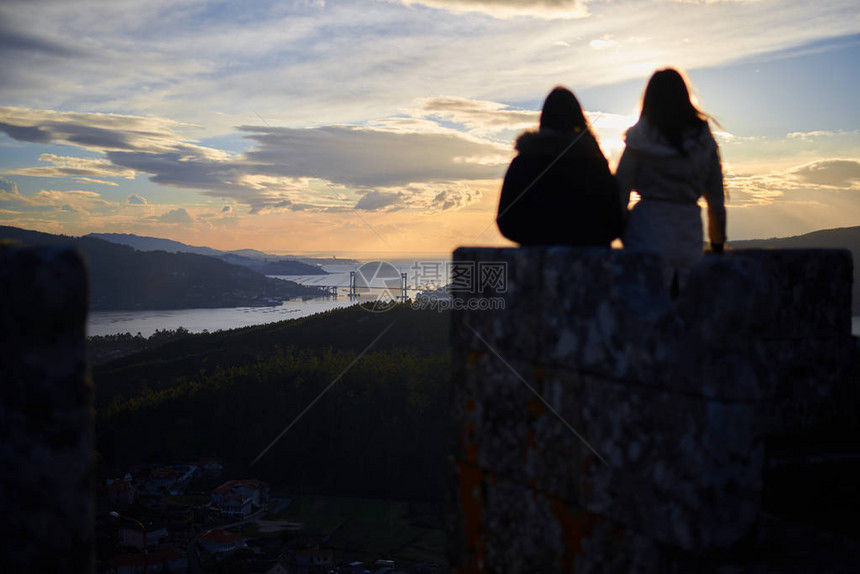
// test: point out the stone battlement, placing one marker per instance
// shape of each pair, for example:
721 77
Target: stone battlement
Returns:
46 402
599 426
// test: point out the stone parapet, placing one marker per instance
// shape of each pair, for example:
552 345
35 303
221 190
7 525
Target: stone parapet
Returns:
599 426
46 406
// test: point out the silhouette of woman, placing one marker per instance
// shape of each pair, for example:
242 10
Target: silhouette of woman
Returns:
671 160
558 189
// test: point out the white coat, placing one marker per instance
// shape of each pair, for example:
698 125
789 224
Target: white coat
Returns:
667 219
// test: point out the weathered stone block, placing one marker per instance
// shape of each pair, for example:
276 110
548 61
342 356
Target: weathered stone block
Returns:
812 290
811 380
45 412
508 428
682 469
511 327
592 301
609 313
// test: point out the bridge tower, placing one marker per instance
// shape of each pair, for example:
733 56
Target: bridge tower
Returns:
403 284
353 293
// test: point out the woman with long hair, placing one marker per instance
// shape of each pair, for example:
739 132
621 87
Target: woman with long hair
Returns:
558 189
671 160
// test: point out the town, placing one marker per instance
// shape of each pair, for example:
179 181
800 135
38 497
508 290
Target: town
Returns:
188 518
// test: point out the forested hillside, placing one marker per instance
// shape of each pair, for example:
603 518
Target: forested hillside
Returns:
378 431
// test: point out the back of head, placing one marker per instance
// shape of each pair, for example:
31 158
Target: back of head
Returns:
562 112
667 106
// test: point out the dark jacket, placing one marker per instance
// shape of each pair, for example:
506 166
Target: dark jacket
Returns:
559 192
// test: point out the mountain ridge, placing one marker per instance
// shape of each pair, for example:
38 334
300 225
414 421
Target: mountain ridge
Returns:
259 261
122 278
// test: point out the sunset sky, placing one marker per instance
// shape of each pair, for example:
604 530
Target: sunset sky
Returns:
386 126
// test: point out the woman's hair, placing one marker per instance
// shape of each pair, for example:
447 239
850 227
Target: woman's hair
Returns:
667 106
562 112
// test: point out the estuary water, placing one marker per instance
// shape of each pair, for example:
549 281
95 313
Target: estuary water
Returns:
385 278
198 320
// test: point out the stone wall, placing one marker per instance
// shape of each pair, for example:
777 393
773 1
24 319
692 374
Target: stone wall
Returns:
45 412
598 426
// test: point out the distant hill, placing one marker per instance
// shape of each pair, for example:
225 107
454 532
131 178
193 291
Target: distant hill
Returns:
142 243
841 238
252 254
122 278
259 261
272 266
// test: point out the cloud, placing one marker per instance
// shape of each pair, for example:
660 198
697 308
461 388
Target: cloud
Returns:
162 58
98 181
744 190
82 200
11 199
820 134
416 163
8 186
377 200
77 201
716 1
176 216
603 42
185 167
479 116
83 169
279 170
16 42
275 206
455 198
32 134
368 157
827 175
724 137
92 131
545 9
835 173
425 198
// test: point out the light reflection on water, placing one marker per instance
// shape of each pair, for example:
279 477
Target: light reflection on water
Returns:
198 320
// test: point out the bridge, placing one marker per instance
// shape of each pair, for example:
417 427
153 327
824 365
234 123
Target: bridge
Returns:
354 287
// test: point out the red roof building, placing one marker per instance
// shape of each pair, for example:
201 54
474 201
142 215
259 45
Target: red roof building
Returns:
240 497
